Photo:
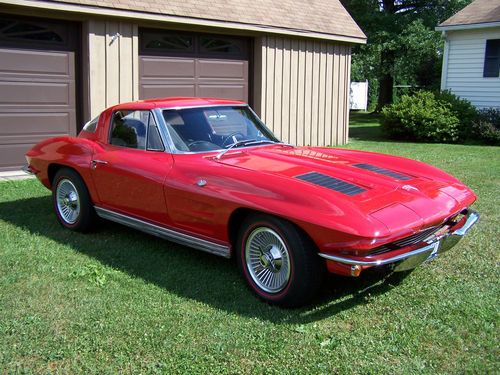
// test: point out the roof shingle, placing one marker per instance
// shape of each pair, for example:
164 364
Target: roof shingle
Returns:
479 11
319 16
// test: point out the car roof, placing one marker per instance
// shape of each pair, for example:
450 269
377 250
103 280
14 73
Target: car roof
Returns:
175 102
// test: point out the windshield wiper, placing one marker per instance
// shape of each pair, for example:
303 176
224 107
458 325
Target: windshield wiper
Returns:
246 142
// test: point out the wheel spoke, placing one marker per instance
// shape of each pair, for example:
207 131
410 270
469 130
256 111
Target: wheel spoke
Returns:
67 201
267 277
267 259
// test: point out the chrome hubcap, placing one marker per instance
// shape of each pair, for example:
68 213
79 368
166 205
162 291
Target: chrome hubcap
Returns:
68 202
267 260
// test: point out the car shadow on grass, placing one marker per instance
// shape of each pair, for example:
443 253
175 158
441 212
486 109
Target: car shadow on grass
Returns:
189 273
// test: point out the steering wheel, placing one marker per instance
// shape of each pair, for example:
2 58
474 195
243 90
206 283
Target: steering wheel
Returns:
230 135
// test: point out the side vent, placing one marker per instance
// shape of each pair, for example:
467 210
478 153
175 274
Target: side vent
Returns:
385 172
331 183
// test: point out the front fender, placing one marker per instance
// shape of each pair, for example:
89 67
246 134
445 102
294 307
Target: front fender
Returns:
327 219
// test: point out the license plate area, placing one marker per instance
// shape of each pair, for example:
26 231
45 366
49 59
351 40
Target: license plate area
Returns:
434 253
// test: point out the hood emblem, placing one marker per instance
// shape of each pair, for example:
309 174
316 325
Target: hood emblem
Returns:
409 188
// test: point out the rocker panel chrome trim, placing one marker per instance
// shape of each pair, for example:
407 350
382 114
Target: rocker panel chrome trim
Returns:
168 234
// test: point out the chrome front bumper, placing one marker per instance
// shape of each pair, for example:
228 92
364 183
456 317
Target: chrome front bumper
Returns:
413 258
27 169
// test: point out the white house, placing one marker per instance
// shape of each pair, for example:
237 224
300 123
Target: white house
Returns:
471 63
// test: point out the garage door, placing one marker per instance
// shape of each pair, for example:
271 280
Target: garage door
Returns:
177 64
37 85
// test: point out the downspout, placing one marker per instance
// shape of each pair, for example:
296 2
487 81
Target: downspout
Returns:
444 70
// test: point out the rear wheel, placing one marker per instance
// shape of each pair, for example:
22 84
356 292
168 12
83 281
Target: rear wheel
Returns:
278 261
71 201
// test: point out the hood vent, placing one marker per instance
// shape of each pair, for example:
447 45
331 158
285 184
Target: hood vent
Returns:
385 172
331 183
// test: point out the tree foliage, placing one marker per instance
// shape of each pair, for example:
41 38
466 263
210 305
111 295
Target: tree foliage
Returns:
403 47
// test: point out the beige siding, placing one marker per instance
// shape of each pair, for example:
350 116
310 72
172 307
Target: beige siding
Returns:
301 89
112 68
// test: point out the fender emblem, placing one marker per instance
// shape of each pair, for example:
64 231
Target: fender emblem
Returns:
201 183
409 188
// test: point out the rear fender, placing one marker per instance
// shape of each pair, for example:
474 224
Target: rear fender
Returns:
54 153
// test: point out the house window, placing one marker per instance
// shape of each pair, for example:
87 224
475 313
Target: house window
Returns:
492 58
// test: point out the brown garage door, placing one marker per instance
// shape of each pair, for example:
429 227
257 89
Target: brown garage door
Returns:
37 85
177 64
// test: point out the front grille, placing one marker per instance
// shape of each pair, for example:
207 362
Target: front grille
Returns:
414 239
331 183
385 172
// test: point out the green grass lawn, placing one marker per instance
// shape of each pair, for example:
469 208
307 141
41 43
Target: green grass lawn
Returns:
121 301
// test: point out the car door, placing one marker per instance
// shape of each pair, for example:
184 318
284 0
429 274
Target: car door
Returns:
129 170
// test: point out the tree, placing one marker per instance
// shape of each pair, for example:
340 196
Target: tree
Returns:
402 44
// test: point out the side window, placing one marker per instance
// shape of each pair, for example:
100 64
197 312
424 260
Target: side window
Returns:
154 139
128 129
135 129
176 126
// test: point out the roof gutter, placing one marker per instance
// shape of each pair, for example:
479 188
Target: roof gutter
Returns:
472 26
138 15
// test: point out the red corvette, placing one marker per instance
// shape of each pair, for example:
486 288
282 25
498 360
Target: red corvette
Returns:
207 173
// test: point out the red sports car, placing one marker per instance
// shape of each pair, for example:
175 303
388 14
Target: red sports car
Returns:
207 173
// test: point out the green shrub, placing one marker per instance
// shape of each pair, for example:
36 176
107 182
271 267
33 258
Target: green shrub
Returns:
422 117
486 126
463 109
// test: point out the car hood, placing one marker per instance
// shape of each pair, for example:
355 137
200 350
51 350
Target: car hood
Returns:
396 191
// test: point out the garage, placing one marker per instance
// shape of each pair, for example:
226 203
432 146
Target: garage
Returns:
37 84
62 62
185 64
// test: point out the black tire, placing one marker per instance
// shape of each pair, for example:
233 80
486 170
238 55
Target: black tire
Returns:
278 261
71 201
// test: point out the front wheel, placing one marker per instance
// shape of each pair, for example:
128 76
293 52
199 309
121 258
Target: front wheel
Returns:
71 201
278 261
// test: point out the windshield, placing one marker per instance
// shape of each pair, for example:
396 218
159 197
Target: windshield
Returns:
215 128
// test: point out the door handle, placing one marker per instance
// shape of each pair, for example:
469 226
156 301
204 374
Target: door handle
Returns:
93 163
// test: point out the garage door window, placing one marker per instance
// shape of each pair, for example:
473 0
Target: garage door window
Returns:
221 45
158 42
19 30
168 42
